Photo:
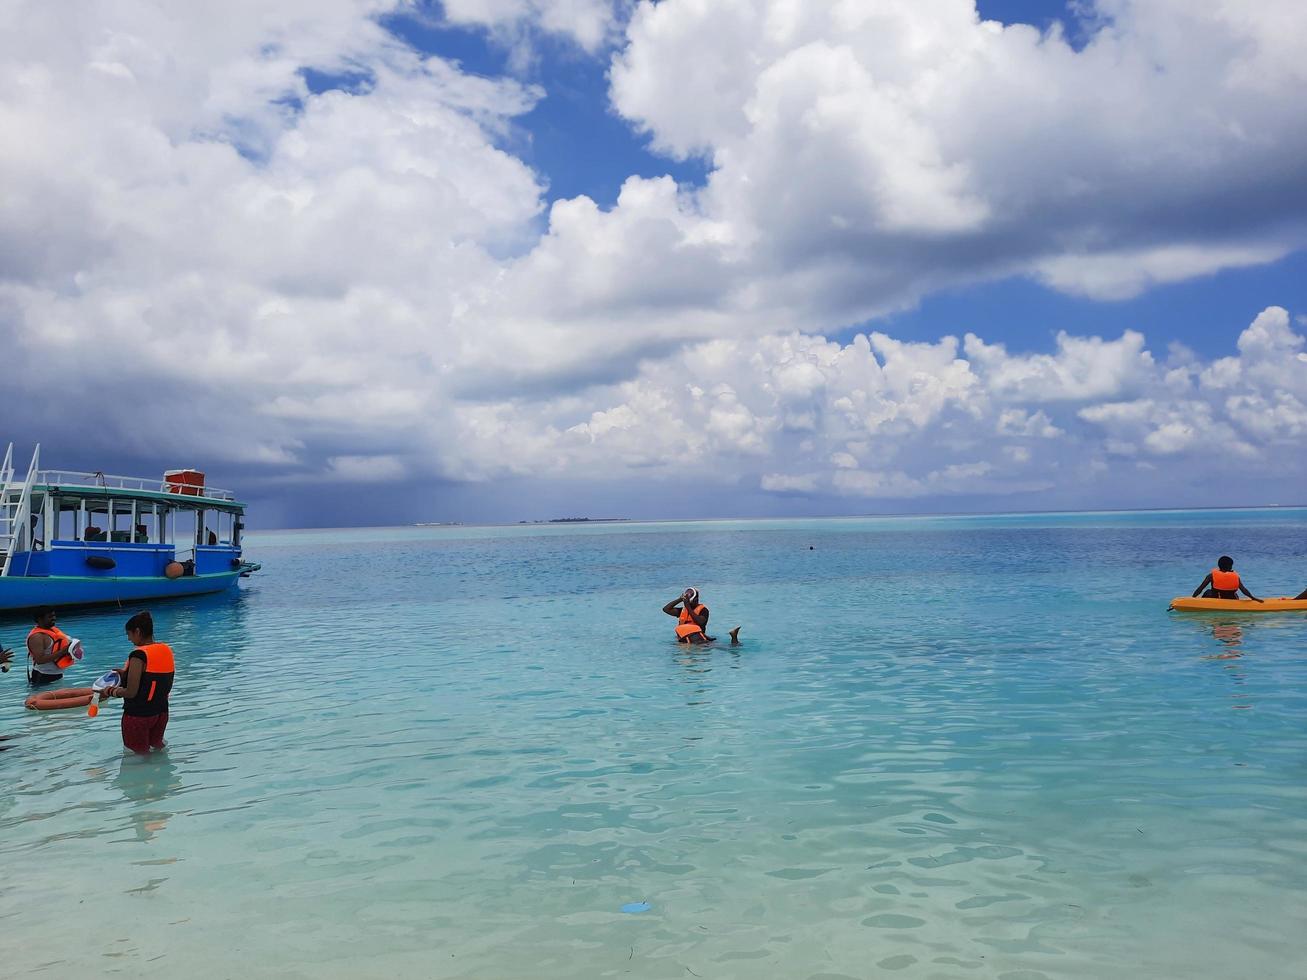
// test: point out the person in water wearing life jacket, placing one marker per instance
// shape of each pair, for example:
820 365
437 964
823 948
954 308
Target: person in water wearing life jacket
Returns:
1224 581
48 648
692 619
147 682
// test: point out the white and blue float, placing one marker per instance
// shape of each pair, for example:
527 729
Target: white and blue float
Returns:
74 539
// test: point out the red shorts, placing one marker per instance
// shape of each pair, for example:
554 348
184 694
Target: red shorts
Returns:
142 733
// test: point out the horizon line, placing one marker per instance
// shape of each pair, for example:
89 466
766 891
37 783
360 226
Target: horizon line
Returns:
798 517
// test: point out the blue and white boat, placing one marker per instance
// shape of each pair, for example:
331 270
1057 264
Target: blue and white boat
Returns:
72 539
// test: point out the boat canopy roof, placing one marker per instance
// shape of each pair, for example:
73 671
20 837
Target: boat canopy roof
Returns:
99 485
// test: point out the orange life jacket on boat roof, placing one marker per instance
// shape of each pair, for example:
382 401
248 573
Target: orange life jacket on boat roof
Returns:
685 624
1225 581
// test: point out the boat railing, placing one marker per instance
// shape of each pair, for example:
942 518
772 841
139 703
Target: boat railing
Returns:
74 479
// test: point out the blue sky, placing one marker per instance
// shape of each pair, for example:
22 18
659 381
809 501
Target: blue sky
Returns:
674 260
1198 312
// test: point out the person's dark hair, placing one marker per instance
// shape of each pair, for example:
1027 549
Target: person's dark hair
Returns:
40 612
143 622
1225 563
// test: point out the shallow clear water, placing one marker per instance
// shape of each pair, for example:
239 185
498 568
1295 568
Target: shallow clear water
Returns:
953 747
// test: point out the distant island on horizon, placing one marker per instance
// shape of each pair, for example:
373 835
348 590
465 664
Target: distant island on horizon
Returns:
580 520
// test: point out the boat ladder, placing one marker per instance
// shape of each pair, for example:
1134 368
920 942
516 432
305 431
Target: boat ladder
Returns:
15 507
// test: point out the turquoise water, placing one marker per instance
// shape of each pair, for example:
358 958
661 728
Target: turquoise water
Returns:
949 747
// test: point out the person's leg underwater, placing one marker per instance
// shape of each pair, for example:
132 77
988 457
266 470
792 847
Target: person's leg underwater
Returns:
157 726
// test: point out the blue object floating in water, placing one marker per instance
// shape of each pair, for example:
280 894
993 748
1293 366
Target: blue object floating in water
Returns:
633 907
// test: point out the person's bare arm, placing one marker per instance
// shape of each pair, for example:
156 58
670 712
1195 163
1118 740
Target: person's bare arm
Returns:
700 619
1206 582
1244 589
135 667
41 647
671 609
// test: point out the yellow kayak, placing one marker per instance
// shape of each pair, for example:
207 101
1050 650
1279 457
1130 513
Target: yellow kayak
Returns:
1282 604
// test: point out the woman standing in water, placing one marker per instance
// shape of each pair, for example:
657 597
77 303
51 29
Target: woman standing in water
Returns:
147 682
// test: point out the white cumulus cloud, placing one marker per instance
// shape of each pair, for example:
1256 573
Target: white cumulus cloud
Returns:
589 23
870 152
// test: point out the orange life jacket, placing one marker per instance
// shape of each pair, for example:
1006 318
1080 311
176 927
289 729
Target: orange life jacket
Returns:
685 624
1225 581
156 680
60 640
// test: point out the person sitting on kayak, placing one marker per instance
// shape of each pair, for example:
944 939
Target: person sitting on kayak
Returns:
1224 581
692 619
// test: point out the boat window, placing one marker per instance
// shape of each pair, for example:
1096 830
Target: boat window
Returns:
120 520
146 528
35 539
95 520
224 526
214 528
66 513
185 527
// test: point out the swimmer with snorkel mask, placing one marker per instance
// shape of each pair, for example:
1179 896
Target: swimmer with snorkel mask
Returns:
692 619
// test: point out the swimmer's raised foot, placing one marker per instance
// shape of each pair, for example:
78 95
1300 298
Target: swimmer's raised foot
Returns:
735 637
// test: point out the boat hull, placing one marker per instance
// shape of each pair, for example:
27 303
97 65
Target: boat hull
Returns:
21 592
1282 604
